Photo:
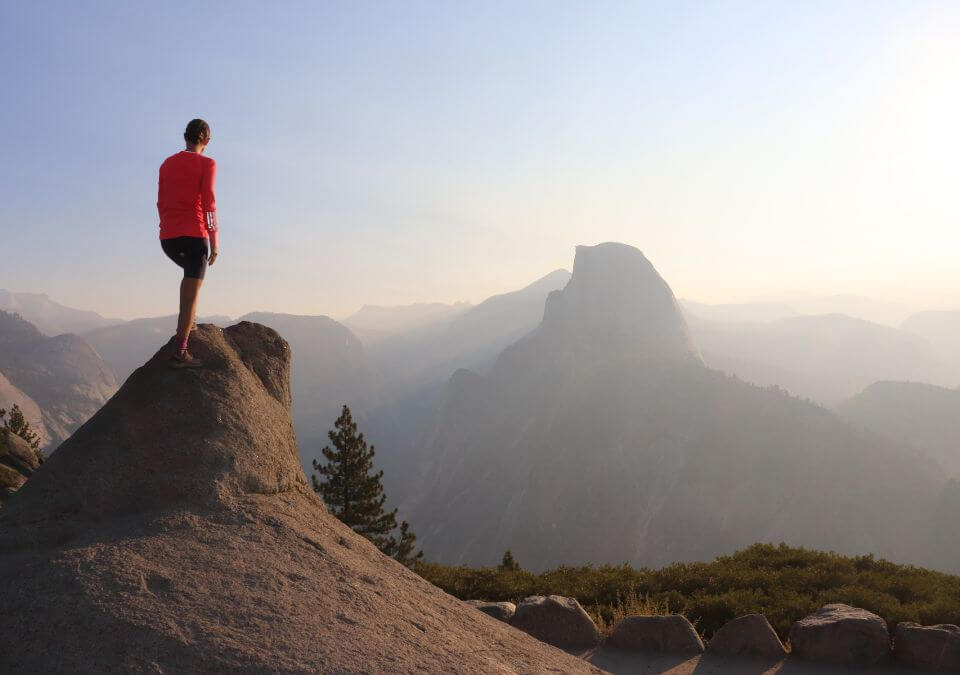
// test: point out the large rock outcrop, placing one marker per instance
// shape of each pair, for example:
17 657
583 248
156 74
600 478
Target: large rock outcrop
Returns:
330 369
175 532
616 305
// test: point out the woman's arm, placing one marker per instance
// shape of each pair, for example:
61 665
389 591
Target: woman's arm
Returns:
209 203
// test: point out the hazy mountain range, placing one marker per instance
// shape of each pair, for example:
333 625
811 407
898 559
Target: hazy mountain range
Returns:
920 415
51 318
373 323
62 376
940 329
588 418
602 437
464 337
826 358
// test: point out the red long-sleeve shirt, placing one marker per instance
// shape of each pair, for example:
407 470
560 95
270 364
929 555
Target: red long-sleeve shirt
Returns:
185 195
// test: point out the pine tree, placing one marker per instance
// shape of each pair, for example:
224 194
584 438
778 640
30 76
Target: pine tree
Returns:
507 563
354 493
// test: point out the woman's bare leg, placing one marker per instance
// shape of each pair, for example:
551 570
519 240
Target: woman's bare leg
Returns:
189 292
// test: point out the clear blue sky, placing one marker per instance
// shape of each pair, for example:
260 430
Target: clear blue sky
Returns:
390 152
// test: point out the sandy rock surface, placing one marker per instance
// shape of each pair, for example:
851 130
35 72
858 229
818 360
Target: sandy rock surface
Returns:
175 532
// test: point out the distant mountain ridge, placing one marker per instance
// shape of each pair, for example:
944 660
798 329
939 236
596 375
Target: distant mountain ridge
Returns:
415 369
601 437
471 339
738 312
882 312
63 375
50 317
941 329
372 323
924 416
512 312
826 358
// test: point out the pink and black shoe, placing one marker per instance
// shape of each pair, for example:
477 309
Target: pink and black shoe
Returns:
184 359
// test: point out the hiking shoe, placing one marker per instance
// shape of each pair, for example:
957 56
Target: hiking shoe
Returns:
185 360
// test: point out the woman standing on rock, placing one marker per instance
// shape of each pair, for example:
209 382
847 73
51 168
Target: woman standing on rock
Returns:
188 226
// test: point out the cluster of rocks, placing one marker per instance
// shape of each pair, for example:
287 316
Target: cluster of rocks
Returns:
836 633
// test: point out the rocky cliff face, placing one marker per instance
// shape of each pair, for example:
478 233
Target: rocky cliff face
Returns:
616 306
175 532
63 374
601 437
330 369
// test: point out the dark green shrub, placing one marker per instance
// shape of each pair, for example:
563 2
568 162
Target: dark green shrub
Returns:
782 582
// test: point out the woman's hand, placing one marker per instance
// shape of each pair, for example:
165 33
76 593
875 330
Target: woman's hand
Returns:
214 243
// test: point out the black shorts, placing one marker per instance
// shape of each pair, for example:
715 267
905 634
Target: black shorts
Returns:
188 252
